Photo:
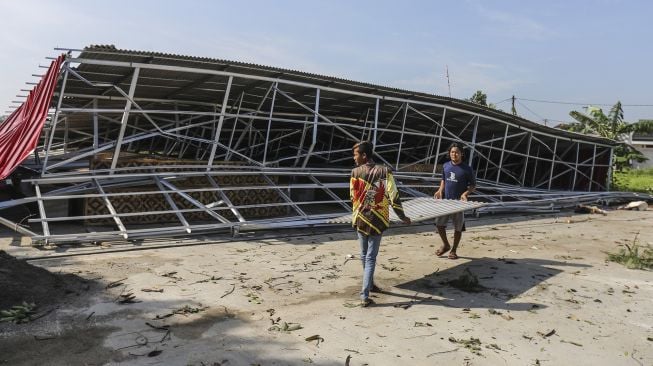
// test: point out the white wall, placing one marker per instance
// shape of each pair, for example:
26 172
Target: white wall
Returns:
646 148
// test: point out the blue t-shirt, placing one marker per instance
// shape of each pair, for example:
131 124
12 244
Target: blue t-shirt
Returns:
457 178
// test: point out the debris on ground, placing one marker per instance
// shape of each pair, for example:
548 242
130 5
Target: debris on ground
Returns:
467 282
493 346
472 344
495 312
98 331
547 334
187 309
233 287
18 313
285 327
184 310
171 275
254 298
315 337
571 342
589 209
152 289
634 206
422 324
116 283
126 298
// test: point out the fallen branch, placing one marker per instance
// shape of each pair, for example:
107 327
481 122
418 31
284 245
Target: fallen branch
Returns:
437 353
115 283
423 335
229 292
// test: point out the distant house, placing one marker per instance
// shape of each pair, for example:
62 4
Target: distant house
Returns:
643 143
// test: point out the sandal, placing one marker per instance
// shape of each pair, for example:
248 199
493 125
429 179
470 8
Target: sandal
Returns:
453 255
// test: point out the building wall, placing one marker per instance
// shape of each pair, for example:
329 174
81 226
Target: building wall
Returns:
646 148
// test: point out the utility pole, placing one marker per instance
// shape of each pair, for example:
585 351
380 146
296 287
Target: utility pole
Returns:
514 110
448 84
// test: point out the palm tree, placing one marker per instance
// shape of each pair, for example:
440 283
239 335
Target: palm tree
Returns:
612 126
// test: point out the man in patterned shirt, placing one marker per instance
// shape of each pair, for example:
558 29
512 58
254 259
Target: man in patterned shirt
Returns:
372 191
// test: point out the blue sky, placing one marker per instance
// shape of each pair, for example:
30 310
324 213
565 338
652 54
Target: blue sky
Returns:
576 51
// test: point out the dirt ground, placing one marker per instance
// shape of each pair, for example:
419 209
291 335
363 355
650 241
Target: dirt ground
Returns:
546 296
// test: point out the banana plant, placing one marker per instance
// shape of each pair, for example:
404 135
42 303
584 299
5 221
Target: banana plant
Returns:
612 126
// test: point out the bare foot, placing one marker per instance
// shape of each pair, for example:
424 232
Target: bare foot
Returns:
443 249
453 255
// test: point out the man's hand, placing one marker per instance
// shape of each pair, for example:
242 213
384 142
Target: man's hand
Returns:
438 195
463 197
406 221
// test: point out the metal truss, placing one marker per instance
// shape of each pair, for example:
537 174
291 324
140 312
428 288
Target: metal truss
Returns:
163 145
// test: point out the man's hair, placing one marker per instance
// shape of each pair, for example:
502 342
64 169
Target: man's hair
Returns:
364 147
456 145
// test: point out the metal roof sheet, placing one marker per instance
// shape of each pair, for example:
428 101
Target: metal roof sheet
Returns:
172 81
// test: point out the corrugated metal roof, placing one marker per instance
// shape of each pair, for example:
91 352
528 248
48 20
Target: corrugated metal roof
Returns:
423 209
110 52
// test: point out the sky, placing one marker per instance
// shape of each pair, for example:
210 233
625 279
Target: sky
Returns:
572 52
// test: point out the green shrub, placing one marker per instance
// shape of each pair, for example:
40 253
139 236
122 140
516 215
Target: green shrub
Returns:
633 258
633 180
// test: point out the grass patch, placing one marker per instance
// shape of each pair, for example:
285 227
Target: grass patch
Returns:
634 180
467 282
634 256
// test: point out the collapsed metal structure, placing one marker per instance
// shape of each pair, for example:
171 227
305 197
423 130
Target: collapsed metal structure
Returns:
144 144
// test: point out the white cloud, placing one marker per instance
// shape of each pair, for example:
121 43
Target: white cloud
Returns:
465 79
482 65
516 26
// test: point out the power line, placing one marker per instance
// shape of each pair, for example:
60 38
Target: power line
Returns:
505 100
572 103
528 109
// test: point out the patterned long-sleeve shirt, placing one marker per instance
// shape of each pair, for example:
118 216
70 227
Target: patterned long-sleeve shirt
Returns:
373 191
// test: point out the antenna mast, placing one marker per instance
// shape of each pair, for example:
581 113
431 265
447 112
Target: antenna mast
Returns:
448 83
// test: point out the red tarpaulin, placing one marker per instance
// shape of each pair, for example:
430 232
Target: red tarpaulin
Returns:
20 132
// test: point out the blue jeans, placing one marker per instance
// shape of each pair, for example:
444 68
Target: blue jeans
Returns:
369 250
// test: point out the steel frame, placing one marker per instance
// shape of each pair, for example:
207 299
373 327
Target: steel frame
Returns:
294 134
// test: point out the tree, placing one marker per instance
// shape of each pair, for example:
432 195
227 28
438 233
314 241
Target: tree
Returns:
612 126
481 98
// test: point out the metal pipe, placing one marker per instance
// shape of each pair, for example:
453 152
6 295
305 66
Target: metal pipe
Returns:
54 122
225 100
123 121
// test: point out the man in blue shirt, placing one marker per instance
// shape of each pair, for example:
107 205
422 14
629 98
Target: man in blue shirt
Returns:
457 183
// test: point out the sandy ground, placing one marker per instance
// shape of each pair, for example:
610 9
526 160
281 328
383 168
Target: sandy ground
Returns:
547 296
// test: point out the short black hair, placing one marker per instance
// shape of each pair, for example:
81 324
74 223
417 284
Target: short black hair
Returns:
364 147
456 145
